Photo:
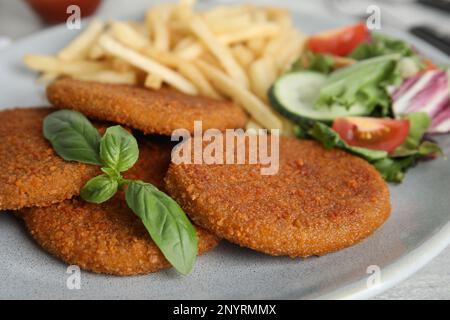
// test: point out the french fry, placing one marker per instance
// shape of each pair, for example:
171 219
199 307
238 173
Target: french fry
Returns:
275 45
257 46
254 34
47 77
220 51
281 16
191 52
262 73
253 125
175 37
96 52
168 59
79 47
183 10
188 70
209 58
233 24
81 67
42 63
180 26
183 44
260 15
50 64
120 65
278 14
290 50
266 30
158 18
149 65
128 36
153 81
243 55
108 76
261 112
284 50
191 72
140 28
288 127
229 51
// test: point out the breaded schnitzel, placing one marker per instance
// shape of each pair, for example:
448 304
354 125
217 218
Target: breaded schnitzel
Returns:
150 111
320 200
108 238
31 173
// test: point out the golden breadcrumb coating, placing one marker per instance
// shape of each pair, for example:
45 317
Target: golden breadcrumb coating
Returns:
108 238
320 201
31 173
150 111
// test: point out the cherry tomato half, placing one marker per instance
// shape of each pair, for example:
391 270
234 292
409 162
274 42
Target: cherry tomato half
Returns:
372 133
340 42
429 65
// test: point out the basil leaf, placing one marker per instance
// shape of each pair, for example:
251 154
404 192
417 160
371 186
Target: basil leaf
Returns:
72 136
113 174
118 149
166 223
99 189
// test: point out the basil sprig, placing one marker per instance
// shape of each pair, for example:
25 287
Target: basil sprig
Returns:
100 189
118 149
74 138
162 218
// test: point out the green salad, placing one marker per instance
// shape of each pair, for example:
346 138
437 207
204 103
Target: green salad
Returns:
368 94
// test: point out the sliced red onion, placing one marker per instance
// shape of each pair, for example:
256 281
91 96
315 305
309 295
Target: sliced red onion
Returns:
441 123
405 100
432 98
429 93
404 87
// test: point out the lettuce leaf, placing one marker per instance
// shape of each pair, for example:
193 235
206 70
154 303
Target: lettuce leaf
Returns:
363 83
331 139
392 167
394 170
314 62
381 45
414 144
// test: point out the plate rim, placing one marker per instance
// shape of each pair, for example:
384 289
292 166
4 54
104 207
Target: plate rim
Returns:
395 272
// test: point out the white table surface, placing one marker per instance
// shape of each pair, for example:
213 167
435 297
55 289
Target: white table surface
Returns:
433 281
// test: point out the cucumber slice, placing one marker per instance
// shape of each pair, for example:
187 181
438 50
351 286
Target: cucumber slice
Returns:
294 95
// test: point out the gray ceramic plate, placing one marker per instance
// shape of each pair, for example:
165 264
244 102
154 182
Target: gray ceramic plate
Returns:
417 231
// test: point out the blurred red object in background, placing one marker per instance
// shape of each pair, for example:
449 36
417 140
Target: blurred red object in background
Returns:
55 11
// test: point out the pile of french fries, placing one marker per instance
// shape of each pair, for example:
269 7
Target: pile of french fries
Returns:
228 52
